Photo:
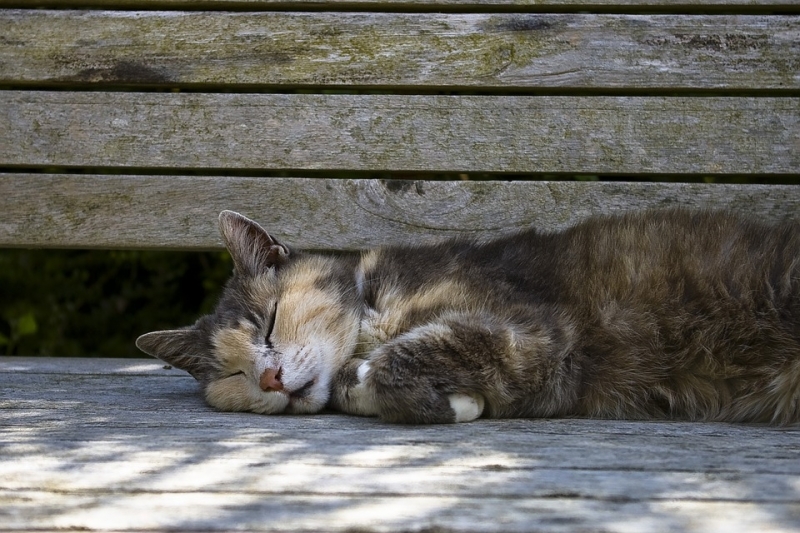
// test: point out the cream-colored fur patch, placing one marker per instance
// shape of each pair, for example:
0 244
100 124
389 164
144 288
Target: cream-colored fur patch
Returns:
263 289
238 393
307 313
234 346
394 307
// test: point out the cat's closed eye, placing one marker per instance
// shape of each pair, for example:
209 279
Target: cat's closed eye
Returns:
271 326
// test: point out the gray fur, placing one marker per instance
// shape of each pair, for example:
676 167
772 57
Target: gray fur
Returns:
660 314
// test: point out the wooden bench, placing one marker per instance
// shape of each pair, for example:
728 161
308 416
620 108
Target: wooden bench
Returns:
347 124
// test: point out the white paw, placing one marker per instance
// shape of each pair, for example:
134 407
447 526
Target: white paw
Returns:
361 399
362 372
467 407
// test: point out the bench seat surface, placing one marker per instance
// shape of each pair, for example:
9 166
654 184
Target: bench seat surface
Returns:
105 444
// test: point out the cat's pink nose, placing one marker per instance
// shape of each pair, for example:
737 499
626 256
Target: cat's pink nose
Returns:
271 380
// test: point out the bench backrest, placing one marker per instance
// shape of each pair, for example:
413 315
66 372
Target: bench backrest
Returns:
346 124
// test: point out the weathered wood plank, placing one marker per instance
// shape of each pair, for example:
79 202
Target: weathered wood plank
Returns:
88 452
420 50
676 464
377 5
195 431
100 473
180 212
86 366
401 132
210 511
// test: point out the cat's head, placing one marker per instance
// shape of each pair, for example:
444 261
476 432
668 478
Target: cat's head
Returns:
285 323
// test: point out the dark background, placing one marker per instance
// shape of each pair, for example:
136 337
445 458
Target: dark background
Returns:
95 303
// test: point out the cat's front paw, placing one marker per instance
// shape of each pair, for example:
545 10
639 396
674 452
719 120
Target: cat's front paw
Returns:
350 391
467 407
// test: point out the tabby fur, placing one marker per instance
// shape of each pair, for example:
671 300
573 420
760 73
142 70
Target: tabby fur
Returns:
648 315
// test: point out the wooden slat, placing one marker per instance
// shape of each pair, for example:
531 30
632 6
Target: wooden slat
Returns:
390 49
127 445
180 212
213 511
87 366
377 5
329 479
398 132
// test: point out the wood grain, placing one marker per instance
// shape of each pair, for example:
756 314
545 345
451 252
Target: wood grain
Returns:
180 212
400 132
103 445
212 511
378 5
391 49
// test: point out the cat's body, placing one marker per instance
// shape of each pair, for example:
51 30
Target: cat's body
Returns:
665 314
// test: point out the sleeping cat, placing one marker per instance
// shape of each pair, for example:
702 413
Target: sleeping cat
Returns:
660 314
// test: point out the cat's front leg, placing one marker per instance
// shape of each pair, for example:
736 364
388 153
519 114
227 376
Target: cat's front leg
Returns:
352 395
465 365
349 391
429 375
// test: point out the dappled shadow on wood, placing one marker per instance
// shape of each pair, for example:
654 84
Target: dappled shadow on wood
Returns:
130 445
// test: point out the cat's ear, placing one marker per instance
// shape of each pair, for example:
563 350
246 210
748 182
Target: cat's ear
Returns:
181 348
253 249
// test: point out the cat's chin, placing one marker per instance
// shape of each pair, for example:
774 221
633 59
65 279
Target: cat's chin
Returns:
304 406
312 402
237 394
278 402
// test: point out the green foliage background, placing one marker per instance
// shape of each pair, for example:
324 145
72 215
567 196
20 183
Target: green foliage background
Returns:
95 303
